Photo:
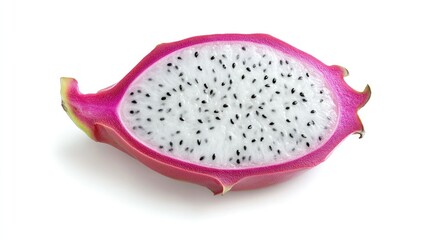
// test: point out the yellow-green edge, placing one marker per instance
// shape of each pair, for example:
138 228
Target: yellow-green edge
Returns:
66 83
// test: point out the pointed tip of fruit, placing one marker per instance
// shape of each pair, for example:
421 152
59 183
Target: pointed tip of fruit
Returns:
226 189
367 92
70 89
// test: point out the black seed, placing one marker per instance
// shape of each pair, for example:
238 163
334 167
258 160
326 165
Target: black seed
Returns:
181 119
196 54
253 96
236 116
262 139
200 121
132 112
149 107
211 128
162 119
134 101
267 85
233 65
308 144
201 158
232 122
271 123
312 111
299 78
190 84
308 75
238 161
271 148
320 138
180 74
179 58
321 92
216 111
249 127
242 76
289 75
199 68
169 64
213 156
248 69
274 80
244 135
217 118
277 92
131 93
237 152
223 65
147 95
263 115
301 94
292 90
149 119
230 137
161 147
265 77
198 132
225 105
203 101
287 120
163 98
170 150
244 147
180 104
287 108
254 80
308 124
243 48
247 115
290 135
212 58
253 140
302 135
294 102
234 95
304 100
198 141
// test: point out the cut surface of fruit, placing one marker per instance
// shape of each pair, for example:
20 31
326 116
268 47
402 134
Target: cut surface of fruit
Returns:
229 105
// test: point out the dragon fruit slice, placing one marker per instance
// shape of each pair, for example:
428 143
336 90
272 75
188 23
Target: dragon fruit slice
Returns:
226 111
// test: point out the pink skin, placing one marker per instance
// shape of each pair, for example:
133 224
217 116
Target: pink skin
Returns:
97 114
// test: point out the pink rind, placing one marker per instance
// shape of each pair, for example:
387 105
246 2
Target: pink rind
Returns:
98 113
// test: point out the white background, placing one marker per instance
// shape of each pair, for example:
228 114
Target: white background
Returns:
55 183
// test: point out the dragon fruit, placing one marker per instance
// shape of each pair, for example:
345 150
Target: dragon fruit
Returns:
226 111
